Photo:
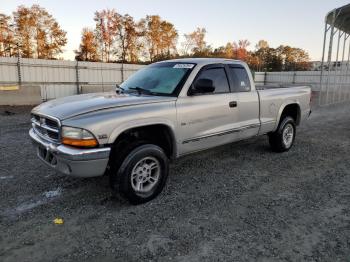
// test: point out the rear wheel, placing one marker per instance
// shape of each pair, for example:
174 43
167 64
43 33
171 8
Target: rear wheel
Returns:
142 174
283 138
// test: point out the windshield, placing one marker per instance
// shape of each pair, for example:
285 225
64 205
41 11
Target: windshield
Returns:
164 78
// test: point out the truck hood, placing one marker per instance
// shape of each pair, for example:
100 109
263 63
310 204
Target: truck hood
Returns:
71 106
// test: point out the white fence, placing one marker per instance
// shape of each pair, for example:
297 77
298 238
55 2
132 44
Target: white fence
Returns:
334 88
311 78
58 78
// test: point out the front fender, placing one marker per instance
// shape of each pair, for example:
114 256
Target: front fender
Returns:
121 128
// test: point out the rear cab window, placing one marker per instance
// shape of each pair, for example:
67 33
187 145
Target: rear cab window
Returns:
239 78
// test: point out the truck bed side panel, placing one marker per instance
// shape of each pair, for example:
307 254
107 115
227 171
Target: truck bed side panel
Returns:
273 101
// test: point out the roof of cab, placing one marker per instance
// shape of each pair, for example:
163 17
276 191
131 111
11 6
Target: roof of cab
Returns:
204 61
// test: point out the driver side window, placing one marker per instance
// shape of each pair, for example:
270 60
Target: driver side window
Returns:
218 76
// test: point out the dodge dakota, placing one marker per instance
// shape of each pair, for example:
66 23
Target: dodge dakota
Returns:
164 111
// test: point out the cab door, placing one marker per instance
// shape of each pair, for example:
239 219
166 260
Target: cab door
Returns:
207 118
248 105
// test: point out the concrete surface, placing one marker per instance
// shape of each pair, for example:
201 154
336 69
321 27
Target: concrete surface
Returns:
25 95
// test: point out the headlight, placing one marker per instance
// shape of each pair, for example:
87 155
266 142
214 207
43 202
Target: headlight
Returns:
79 137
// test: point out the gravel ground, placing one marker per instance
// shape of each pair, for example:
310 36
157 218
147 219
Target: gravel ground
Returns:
239 202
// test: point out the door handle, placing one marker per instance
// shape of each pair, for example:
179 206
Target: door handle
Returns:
233 104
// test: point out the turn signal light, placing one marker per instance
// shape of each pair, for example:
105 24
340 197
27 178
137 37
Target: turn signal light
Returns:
79 142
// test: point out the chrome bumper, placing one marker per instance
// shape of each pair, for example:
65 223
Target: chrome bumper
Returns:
71 161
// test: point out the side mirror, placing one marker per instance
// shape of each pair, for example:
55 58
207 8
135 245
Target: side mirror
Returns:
202 86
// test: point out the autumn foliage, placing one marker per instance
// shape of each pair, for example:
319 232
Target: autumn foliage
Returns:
33 33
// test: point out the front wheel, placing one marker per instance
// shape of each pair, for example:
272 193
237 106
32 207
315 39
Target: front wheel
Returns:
143 174
283 138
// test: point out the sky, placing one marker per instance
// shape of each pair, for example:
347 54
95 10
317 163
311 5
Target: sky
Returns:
298 23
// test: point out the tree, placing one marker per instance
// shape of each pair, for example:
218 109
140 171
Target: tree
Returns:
240 49
151 32
195 41
24 26
273 60
118 36
293 59
227 51
259 57
196 46
169 37
57 40
88 46
128 33
7 41
253 61
302 60
262 44
132 34
38 34
106 31
160 37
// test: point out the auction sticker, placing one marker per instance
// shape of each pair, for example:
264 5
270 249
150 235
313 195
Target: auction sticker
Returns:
187 66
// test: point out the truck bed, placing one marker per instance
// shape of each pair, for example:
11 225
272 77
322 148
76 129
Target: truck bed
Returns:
274 98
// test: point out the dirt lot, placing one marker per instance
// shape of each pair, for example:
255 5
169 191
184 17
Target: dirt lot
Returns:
239 202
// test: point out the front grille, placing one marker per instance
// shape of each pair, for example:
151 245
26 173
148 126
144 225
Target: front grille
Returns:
46 127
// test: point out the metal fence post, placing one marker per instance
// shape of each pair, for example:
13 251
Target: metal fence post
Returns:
330 48
294 77
265 78
322 63
346 73
77 77
122 72
335 86
19 69
342 69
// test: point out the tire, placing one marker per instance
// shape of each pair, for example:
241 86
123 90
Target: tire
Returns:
142 174
283 138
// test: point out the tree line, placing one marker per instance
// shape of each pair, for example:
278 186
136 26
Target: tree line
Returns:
32 32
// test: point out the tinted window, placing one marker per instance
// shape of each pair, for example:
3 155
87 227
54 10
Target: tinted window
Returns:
240 79
218 76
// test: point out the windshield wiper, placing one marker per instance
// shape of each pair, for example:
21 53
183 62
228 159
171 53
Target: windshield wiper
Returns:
141 90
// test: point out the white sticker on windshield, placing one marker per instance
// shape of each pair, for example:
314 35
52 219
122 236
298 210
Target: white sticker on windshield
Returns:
187 66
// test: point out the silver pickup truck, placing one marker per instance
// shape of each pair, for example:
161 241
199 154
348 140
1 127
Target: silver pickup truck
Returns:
164 111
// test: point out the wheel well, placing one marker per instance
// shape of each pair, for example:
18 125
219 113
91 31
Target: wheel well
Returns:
157 134
292 110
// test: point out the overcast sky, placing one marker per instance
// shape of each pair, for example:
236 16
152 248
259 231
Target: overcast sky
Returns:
298 23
